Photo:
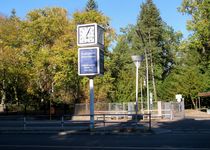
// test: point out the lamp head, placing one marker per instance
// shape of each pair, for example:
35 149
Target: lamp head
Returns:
138 58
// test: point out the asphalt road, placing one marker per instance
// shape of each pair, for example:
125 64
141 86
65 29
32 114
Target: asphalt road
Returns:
109 142
185 134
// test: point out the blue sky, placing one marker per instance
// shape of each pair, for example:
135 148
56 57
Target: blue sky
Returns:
121 12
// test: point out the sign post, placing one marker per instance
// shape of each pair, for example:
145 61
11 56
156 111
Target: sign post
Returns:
91 103
90 39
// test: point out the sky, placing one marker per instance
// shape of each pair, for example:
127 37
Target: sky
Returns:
120 12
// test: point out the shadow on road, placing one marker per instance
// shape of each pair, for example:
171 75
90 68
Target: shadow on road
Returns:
188 133
133 125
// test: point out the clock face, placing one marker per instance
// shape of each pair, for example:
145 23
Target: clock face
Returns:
86 34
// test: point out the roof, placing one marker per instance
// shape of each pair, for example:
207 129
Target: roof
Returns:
204 94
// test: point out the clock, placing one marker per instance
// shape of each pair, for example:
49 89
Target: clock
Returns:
86 34
90 35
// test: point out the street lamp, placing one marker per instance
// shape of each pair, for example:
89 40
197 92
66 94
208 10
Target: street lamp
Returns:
137 61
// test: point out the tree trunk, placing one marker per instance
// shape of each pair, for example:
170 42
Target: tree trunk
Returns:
152 72
16 97
153 80
147 80
193 102
3 93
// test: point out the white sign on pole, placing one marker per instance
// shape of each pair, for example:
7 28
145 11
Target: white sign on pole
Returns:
179 97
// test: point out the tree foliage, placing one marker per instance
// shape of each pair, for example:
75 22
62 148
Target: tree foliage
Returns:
91 5
198 44
38 56
199 25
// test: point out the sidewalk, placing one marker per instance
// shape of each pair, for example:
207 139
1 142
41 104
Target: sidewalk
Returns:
194 122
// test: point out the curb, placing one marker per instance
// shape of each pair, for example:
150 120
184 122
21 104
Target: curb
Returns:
77 132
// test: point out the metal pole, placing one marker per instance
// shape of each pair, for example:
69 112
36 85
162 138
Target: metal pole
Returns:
137 76
91 104
142 104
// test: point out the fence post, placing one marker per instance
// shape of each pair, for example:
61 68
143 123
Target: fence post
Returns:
150 122
62 122
171 114
159 104
110 107
24 123
104 119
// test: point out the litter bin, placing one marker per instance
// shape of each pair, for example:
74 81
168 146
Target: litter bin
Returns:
208 111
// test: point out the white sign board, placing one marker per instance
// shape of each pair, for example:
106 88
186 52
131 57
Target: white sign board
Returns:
179 97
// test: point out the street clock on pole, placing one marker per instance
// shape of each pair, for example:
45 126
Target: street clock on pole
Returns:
90 35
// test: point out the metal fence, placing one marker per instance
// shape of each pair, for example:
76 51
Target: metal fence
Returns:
158 110
84 108
68 122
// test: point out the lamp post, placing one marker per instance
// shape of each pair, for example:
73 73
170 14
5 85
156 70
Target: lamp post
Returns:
137 61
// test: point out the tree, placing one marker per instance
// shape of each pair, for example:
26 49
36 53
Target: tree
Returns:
51 48
120 66
198 43
151 37
91 5
186 78
39 58
149 31
200 26
12 68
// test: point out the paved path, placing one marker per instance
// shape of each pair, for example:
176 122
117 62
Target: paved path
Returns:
199 124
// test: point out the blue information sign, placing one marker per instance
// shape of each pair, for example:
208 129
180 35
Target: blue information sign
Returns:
91 61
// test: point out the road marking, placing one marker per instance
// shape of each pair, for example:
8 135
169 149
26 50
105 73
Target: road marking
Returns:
100 147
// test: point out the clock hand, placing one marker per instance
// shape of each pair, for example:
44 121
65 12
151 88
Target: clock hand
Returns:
88 32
